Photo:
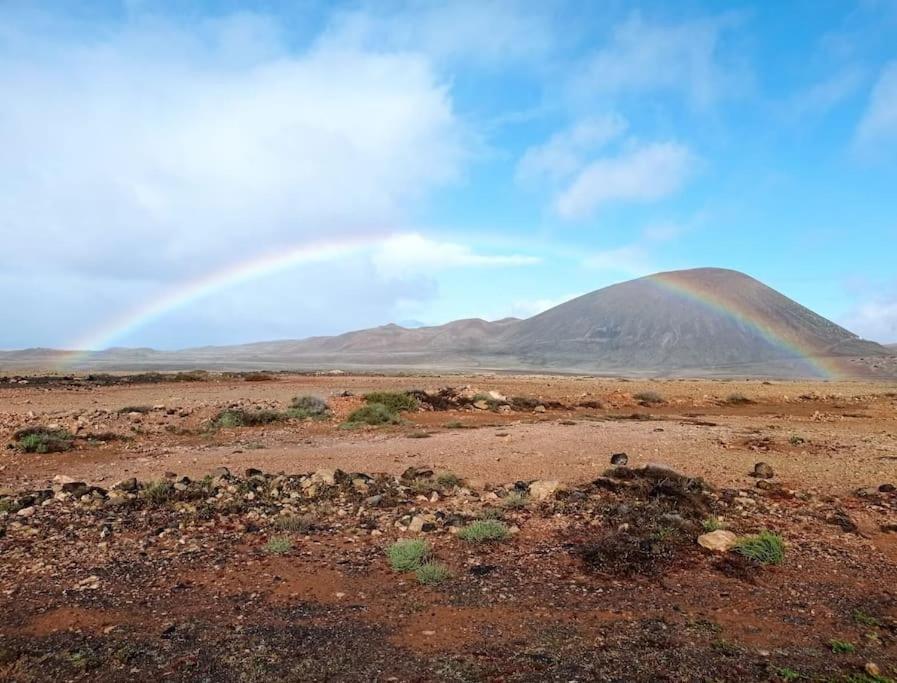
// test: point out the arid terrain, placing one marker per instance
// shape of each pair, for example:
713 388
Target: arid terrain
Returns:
210 527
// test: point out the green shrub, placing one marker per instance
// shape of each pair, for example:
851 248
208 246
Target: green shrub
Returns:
278 545
308 407
43 440
763 548
649 397
372 414
448 480
484 530
158 491
842 647
515 500
237 417
408 554
711 524
432 573
796 440
396 401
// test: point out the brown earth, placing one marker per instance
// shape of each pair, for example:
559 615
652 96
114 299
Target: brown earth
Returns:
98 584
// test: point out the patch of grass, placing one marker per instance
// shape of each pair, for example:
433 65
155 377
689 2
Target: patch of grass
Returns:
484 531
158 491
787 674
515 500
396 401
432 573
763 548
711 524
373 414
797 440
257 377
448 480
7 504
861 617
408 554
238 417
43 440
297 524
842 647
648 398
738 400
492 403
524 403
135 409
278 545
308 408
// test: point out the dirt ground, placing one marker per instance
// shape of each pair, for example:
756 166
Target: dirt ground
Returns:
132 554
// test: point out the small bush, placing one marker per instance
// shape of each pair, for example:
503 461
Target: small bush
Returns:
515 500
158 491
43 440
372 414
448 480
861 617
237 417
418 434
738 399
432 573
763 548
298 524
841 647
408 554
483 531
308 407
278 545
711 524
491 402
135 409
396 401
257 377
524 403
797 440
648 397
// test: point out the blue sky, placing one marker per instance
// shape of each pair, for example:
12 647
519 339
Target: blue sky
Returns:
484 158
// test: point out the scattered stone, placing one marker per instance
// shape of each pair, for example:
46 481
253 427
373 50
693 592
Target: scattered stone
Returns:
539 409
763 470
544 489
619 459
887 488
720 540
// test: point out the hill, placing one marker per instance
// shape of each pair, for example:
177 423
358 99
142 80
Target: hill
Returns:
705 321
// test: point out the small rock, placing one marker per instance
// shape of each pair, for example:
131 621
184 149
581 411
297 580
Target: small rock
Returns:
887 488
129 485
539 409
720 540
481 405
27 512
762 470
543 489
619 459
872 669
324 476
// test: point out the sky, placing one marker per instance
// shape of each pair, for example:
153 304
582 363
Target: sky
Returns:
180 174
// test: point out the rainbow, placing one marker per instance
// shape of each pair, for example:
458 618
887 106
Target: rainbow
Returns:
814 360
186 293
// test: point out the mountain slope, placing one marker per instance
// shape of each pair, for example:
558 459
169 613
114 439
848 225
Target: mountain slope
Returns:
690 322
702 318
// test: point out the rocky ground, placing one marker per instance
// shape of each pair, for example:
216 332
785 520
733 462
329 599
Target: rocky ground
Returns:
162 545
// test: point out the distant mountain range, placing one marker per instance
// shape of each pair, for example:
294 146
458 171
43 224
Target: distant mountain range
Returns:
706 321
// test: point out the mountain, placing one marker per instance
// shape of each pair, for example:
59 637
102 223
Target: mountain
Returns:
706 321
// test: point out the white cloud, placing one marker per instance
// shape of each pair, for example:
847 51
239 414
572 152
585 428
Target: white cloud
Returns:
879 122
151 151
408 255
644 174
526 308
481 32
633 259
876 320
563 153
643 56
824 95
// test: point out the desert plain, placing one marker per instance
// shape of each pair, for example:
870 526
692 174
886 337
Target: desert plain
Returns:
171 536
